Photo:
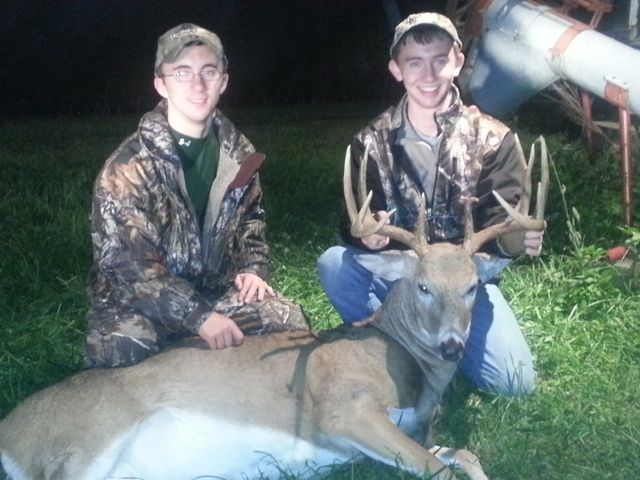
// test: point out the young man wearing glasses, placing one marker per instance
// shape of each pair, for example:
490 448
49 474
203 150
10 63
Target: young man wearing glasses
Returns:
177 227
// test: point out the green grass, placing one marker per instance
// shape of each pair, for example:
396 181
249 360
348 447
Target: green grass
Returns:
581 317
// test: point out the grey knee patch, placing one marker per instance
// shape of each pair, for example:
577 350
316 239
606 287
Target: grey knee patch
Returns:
521 380
512 381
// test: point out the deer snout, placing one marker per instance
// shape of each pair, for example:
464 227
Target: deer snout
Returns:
451 349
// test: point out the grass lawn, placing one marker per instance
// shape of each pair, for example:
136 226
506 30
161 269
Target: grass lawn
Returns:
581 316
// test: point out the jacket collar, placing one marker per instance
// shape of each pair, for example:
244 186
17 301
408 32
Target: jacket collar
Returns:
156 136
445 119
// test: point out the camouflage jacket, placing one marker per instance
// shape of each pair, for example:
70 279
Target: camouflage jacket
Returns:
150 255
477 155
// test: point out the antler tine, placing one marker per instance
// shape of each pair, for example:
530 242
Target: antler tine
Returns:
525 198
349 199
519 219
362 178
543 184
421 232
363 222
468 218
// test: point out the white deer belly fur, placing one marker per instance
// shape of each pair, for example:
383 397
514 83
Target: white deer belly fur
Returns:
177 444
174 444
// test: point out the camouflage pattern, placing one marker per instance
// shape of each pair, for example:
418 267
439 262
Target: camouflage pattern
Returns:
425 18
156 273
131 338
477 154
173 41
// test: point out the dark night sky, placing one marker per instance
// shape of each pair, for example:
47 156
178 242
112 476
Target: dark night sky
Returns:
96 56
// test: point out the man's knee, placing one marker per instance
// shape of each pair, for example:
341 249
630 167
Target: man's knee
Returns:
520 380
276 314
330 261
120 344
510 380
273 314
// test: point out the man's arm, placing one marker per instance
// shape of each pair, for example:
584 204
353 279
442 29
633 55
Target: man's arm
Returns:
128 252
250 248
504 172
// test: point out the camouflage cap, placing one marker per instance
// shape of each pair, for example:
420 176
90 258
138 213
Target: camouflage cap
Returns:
425 18
173 41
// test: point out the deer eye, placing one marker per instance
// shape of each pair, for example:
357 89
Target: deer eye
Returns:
423 288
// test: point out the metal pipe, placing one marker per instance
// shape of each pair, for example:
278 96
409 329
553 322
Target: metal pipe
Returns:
525 46
633 19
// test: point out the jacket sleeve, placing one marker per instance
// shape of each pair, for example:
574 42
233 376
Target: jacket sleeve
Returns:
250 248
127 251
503 172
374 185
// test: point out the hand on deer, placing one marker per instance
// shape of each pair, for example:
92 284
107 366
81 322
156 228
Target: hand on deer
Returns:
220 332
251 287
375 241
364 322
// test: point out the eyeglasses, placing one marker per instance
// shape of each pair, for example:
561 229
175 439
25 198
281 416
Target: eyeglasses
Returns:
187 76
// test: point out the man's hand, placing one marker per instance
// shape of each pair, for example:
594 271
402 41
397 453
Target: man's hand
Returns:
364 322
251 287
517 243
533 242
220 332
375 241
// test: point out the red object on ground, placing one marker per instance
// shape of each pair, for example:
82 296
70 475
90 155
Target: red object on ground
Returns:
615 254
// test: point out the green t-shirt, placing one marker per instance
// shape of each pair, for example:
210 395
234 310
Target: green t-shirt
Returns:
199 157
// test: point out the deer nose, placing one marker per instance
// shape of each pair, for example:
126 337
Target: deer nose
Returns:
451 350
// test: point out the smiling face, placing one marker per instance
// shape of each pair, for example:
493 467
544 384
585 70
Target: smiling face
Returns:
427 71
191 104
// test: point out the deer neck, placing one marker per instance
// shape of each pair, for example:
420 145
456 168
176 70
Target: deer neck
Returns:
437 372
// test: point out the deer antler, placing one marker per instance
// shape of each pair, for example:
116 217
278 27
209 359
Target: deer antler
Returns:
519 219
363 222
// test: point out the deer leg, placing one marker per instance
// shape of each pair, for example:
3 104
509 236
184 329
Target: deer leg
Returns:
462 459
368 428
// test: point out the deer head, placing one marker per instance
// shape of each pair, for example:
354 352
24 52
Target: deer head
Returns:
429 308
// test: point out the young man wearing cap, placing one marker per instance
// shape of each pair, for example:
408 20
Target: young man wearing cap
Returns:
177 227
432 144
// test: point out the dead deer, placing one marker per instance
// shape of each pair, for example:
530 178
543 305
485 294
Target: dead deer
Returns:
291 401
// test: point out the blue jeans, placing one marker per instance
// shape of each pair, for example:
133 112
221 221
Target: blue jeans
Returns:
497 358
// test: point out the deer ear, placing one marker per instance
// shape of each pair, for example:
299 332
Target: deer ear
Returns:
390 265
489 266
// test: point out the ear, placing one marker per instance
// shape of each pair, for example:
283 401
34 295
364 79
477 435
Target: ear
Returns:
223 83
390 265
489 266
459 62
161 88
394 68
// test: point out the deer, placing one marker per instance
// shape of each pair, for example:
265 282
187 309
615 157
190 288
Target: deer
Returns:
295 402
